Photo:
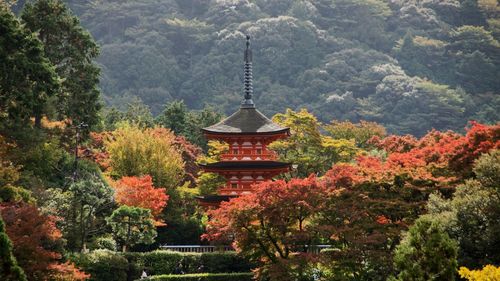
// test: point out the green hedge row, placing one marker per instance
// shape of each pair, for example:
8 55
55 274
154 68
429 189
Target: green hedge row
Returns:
165 262
117 266
241 276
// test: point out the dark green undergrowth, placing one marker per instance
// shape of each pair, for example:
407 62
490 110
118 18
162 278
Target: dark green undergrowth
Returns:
116 266
240 276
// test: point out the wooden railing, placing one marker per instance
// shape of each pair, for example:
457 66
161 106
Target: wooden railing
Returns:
314 249
196 248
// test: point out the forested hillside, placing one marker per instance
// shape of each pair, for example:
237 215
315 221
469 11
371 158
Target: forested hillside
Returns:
411 65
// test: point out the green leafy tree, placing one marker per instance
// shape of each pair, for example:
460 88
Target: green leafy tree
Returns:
28 78
426 253
132 225
307 147
72 50
138 113
184 122
471 216
9 269
91 196
82 207
174 117
208 183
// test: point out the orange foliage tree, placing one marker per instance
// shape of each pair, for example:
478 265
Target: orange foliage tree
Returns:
37 252
140 192
274 225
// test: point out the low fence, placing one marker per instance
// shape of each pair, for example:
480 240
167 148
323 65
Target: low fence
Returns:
196 248
314 249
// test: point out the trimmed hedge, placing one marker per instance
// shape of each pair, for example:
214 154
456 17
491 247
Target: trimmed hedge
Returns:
117 266
240 276
164 262
103 265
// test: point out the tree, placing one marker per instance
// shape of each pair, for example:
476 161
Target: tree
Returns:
37 253
471 215
208 183
187 123
139 192
132 225
138 113
307 147
136 152
488 272
174 117
9 269
28 78
361 132
426 253
89 198
274 225
190 154
72 50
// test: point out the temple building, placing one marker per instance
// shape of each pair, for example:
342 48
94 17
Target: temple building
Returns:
248 133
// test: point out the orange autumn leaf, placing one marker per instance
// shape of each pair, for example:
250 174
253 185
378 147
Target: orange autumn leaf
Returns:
139 192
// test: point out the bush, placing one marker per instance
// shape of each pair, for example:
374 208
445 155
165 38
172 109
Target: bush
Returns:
103 265
241 276
108 265
164 262
106 243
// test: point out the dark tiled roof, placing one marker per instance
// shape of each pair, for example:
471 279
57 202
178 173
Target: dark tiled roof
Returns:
215 198
246 120
253 165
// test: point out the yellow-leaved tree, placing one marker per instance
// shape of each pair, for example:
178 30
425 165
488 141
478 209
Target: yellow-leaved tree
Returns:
307 147
488 273
137 152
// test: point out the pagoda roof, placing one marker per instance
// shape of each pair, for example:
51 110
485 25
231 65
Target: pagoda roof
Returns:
247 120
214 198
253 165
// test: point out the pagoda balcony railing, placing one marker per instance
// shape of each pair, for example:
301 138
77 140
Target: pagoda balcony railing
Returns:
253 157
234 191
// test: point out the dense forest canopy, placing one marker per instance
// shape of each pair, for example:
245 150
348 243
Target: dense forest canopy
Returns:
412 65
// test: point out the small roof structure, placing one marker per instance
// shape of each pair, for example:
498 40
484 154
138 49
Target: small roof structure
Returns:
246 121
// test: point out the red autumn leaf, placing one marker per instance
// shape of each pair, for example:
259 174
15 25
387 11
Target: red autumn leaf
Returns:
139 192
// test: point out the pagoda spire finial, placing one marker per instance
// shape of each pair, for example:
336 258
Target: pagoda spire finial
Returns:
248 102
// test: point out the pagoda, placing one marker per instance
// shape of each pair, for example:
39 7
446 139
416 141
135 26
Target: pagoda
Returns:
248 133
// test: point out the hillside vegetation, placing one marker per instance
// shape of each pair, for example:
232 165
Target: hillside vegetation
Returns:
411 65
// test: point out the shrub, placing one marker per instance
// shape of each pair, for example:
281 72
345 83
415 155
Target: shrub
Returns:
165 262
103 265
241 276
107 243
108 265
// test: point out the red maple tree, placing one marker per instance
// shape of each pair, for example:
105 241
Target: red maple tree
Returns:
36 240
273 225
140 192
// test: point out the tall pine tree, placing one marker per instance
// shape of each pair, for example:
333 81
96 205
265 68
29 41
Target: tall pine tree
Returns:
27 78
72 50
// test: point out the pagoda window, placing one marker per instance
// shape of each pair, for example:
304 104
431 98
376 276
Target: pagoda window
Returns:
259 151
235 151
234 185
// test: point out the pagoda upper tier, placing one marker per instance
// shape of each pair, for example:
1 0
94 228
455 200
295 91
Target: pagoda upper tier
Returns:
248 133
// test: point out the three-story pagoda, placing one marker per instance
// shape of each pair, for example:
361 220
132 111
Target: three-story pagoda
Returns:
248 133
